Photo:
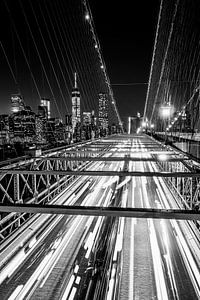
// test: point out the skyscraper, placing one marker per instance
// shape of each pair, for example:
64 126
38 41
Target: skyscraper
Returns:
103 111
76 109
87 118
45 102
17 103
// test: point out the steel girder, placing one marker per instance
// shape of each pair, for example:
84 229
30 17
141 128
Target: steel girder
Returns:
187 186
26 185
130 212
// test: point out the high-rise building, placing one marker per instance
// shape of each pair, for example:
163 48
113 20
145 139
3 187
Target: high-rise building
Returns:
103 111
45 102
76 107
22 125
17 103
40 130
50 131
68 120
42 112
4 129
87 118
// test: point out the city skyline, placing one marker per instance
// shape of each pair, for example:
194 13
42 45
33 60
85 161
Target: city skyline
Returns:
116 46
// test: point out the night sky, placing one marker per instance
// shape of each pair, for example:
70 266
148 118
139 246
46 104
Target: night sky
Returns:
126 34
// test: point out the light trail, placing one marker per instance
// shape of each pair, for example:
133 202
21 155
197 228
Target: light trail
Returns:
82 235
131 268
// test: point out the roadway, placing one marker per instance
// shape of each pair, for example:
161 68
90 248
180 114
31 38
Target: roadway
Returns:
51 249
160 257
79 257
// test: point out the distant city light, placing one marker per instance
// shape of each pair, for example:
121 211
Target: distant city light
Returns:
15 109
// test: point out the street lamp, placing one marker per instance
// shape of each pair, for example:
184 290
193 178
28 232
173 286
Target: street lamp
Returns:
166 112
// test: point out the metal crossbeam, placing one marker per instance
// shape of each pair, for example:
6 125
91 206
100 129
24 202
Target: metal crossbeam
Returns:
112 158
104 211
83 152
100 173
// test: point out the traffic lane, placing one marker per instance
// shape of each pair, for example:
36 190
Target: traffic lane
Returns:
33 271
174 265
29 263
35 234
38 261
74 280
26 233
136 280
38 220
177 277
37 238
186 236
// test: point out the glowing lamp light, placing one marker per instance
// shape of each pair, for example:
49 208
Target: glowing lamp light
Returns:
163 157
95 46
166 111
138 130
102 67
87 16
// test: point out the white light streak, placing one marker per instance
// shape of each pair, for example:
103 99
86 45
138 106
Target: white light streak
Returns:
68 288
73 292
32 242
76 269
16 292
78 279
123 182
157 264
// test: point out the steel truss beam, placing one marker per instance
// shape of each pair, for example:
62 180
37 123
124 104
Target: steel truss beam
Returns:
112 158
187 188
129 212
122 151
102 173
25 187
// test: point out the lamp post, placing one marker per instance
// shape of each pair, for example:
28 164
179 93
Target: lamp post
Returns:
152 129
144 126
166 111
